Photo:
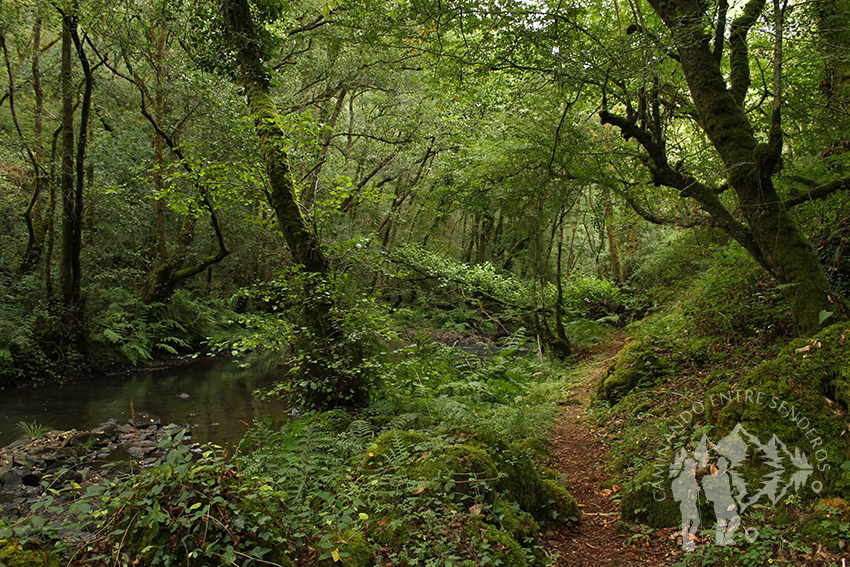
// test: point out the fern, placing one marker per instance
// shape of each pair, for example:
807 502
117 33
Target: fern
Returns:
356 438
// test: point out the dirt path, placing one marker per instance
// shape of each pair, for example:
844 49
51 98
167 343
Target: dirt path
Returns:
599 540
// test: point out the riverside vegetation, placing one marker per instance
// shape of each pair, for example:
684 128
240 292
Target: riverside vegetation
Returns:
358 189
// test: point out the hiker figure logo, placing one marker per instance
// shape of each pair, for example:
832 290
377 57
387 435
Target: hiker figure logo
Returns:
712 470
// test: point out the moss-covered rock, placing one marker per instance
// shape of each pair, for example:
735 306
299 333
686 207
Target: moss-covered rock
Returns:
647 499
558 503
800 397
500 549
518 524
636 362
535 448
13 554
472 469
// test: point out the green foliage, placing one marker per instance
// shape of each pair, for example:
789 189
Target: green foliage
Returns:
735 298
124 329
323 372
14 554
493 301
27 337
32 428
668 263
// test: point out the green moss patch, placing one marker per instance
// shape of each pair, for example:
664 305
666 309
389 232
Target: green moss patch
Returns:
13 554
495 547
637 362
798 398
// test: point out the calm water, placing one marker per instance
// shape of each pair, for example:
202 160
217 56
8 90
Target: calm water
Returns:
220 403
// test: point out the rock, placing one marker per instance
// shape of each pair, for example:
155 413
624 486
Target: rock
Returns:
145 420
184 395
12 477
106 430
126 429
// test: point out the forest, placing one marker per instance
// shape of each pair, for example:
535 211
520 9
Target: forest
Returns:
518 264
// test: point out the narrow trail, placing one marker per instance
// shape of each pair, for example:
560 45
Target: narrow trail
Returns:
579 447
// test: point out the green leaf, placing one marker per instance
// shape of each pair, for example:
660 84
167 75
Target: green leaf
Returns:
335 555
824 315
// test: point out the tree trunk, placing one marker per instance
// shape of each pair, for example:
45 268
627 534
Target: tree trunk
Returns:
834 27
337 385
613 242
33 213
158 161
69 257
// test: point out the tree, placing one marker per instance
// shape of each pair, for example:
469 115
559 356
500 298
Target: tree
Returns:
73 174
762 223
334 384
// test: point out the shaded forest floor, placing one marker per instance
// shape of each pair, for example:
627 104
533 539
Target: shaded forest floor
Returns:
601 539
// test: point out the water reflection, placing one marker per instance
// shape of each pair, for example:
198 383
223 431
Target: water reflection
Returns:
219 402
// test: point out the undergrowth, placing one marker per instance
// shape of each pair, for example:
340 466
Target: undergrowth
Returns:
723 331
446 467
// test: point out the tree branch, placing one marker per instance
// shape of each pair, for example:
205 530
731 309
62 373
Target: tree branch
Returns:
688 186
720 30
739 59
819 192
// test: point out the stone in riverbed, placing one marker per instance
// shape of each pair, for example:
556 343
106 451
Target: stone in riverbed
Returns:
107 430
144 420
12 476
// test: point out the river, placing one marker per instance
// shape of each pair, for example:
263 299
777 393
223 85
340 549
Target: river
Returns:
215 397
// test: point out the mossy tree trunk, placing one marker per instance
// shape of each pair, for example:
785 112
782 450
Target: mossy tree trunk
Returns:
767 232
324 333
834 27
33 213
72 214
613 241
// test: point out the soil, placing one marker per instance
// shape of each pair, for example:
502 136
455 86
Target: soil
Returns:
600 539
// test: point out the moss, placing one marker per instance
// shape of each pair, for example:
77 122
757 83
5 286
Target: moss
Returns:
12 554
826 521
471 467
394 533
647 499
494 546
558 503
520 481
798 398
535 448
354 550
636 362
518 524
